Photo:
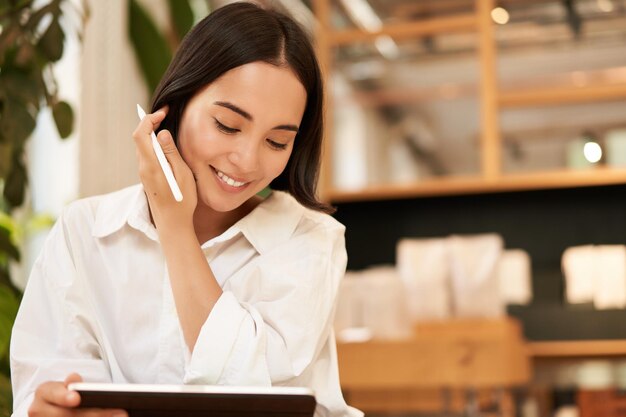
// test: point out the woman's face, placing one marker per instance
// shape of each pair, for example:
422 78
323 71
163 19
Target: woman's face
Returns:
237 133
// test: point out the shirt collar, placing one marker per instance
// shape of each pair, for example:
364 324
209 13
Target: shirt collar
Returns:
127 206
272 222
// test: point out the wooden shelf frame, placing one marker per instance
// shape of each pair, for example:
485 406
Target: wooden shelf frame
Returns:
550 96
577 349
478 185
492 98
461 23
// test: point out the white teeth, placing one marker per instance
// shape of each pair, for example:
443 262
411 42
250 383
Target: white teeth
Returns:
229 180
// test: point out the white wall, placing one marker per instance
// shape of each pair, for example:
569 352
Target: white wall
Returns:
102 82
111 87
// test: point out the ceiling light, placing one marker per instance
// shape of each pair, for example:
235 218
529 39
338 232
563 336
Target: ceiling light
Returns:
500 15
364 16
592 152
387 47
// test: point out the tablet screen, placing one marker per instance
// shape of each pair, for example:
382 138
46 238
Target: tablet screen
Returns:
197 400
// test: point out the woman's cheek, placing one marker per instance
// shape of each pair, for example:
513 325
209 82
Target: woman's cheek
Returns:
280 166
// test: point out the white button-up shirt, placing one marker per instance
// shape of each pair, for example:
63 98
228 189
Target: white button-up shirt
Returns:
99 303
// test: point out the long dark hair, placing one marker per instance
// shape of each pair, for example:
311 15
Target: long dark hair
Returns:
235 35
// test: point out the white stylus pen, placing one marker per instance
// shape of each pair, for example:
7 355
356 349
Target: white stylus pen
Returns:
165 166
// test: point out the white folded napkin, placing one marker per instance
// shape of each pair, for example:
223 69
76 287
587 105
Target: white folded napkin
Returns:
610 279
578 264
475 285
372 304
423 266
515 277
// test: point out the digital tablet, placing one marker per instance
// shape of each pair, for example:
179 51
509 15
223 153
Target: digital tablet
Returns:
197 400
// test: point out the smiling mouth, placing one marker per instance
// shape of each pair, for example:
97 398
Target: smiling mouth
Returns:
228 180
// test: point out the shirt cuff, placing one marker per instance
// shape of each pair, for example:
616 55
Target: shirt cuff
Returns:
216 341
21 410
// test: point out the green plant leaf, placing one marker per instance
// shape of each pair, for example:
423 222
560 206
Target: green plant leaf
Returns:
7 246
16 123
51 43
39 222
151 48
5 367
21 86
5 5
5 278
6 397
18 4
8 223
9 305
264 193
6 150
64 118
15 185
182 16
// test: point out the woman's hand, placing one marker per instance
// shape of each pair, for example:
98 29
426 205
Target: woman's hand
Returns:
54 399
166 212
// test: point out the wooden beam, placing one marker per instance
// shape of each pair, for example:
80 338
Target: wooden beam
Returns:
413 29
491 147
476 184
577 348
562 95
321 9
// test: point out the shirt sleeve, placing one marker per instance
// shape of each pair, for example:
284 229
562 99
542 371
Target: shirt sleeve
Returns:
51 336
276 337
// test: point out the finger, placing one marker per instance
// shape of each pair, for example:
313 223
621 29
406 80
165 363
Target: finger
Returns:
49 410
173 156
73 377
157 117
168 146
146 156
56 393
149 124
72 397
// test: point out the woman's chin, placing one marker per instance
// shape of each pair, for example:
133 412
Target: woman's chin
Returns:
224 204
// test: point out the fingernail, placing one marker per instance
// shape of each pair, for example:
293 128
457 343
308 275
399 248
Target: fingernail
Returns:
162 138
119 414
71 396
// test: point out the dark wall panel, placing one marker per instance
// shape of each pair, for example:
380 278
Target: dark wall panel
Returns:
544 223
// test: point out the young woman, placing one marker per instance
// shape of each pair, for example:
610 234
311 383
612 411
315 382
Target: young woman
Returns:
224 287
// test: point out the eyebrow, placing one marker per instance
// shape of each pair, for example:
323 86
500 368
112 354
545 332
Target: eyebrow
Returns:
249 117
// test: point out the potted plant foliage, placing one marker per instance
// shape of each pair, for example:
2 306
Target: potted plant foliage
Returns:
31 41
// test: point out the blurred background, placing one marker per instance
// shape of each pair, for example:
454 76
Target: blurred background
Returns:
476 152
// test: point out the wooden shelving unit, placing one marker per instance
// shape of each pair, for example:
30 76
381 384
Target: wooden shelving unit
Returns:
461 23
390 364
548 96
456 357
492 99
577 349
477 184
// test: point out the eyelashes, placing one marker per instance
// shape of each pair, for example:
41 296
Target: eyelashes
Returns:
230 131
276 145
223 128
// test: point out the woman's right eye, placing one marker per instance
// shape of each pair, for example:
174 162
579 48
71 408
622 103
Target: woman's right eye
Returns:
223 128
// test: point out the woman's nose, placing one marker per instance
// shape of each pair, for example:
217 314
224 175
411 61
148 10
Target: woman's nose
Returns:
246 155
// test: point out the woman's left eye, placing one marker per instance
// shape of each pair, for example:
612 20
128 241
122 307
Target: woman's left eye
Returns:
222 127
277 145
